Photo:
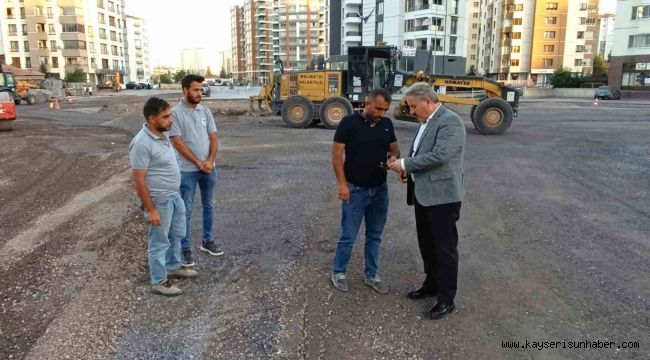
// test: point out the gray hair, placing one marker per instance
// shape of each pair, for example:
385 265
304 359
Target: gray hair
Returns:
422 91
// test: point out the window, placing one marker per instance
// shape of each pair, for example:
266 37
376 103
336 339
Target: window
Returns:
436 45
45 60
475 15
40 28
100 4
50 13
50 29
549 34
472 57
116 65
100 18
519 7
551 6
74 44
111 21
577 62
14 46
589 35
22 13
547 62
452 45
380 8
380 29
580 48
583 6
53 45
113 35
91 33
68 11
474 36
104 49
549 48
474 26
15 61
72 28
42 44
111 6
38 10
550 20
581 35
591 21
10 13
12 29
640 12
114 50
102 34
516 35
55 62
514 62
516 49
26 45
517 21
104 63
92 47
473 46
639 41
24 26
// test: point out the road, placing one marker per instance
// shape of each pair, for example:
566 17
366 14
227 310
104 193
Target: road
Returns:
554 244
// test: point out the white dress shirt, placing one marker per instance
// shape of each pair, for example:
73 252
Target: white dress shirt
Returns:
418 137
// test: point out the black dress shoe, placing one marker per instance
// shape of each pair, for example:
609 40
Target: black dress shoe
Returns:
420 293
439 310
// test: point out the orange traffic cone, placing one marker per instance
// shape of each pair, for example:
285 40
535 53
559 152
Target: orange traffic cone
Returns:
595 102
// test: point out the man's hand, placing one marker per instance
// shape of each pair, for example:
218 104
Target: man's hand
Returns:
153 217
401 176
344 192
207 167
395 165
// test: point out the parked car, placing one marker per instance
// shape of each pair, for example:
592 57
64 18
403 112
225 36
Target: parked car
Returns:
205 90
606 92
7 109
145 86
132 85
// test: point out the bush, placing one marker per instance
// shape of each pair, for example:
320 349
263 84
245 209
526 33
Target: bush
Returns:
165 79
77 76
563 78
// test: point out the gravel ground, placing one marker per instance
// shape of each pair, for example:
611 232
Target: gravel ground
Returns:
554 243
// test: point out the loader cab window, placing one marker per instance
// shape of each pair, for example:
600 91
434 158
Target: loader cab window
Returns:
380 73
9 81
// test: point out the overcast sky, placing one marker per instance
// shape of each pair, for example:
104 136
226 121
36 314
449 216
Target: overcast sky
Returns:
199 24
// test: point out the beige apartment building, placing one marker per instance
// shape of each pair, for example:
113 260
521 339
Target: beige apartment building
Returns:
524 41
473 32
65 35
265 30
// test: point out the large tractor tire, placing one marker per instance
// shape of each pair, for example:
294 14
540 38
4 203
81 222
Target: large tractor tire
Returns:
333 110
492 116
31 99
471 114
297 112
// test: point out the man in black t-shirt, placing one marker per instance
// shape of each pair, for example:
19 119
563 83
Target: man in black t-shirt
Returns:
367 140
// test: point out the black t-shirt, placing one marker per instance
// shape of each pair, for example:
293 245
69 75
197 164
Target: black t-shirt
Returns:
365 149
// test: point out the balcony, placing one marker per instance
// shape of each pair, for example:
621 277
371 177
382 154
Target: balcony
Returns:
352 18
353 2
418 7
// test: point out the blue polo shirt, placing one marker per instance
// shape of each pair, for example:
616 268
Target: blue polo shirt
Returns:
157 156
193 125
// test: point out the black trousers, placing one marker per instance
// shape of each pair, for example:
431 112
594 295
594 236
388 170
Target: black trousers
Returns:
438 240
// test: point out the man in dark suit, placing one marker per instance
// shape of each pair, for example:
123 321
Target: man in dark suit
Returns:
434 175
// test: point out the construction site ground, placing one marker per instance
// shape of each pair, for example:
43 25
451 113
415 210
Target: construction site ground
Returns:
554 243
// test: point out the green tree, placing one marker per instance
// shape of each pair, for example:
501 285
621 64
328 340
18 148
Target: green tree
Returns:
563 78
165 79
76 77
222 73
600 67
208 72
180 74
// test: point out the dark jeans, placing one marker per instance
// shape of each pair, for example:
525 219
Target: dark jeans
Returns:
438 240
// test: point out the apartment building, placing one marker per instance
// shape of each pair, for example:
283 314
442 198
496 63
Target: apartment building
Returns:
526 41
265 30
65 35
137 56
473 16
193 60
605 35
630 61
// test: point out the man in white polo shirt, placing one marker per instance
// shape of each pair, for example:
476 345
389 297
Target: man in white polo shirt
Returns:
194 135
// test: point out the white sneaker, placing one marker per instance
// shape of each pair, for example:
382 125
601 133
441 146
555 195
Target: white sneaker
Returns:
167 289
182 273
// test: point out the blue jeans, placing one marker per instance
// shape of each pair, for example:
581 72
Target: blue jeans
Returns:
207 184
371 203
164 251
